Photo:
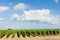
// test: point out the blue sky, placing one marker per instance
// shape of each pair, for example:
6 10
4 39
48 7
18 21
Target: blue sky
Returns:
29 14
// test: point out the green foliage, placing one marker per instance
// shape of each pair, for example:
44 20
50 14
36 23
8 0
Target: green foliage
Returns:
8 33
2 33
28 33
38 32
18 33
23 32
13 33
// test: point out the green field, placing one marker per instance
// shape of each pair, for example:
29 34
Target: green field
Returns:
28 33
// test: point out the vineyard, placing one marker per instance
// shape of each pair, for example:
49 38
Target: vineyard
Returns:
28 33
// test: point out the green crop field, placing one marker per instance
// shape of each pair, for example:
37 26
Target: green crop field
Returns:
28 33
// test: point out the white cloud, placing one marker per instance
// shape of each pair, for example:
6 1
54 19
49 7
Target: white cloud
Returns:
20 6
3 8
56 1
1 18
15 16
43 15
0 22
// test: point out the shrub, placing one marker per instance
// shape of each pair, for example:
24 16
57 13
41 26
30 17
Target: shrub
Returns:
8 33
18 33
23 33
13 33
28 33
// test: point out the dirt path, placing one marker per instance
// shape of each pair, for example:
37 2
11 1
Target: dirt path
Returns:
51 37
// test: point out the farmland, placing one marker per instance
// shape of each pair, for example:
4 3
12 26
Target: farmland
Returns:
28 33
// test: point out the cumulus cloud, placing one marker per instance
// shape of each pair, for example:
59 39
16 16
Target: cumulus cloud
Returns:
43 15
3 8
56 1
20 6
15 16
